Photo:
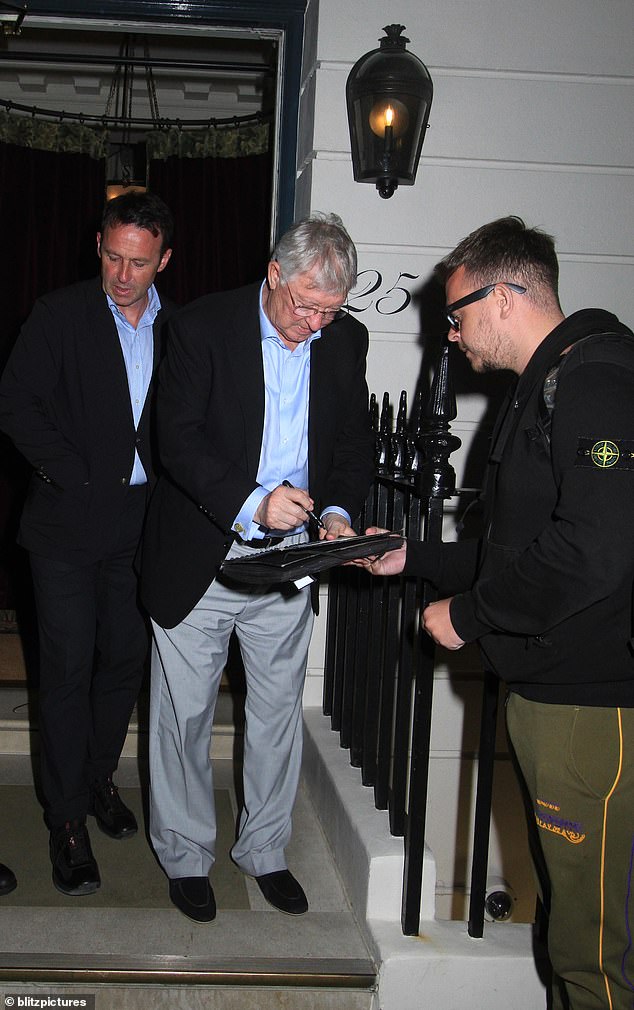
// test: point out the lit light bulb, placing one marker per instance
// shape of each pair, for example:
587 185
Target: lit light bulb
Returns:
388 136
389 112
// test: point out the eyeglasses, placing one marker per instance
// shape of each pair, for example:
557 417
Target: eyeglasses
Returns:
305 311
475 296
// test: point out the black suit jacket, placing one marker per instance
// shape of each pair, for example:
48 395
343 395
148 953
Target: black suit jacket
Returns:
65 403
210 421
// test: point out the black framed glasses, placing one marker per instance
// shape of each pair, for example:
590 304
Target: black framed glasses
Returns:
305 311
475 296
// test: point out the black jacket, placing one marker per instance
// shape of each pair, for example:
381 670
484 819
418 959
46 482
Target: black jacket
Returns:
65 403
551 604
210 408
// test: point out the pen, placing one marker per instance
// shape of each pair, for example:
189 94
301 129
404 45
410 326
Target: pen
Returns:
311 515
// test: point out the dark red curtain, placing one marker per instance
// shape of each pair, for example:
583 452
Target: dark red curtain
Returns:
50 205
50 208
222 210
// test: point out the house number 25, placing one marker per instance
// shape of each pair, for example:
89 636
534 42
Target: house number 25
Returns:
393 300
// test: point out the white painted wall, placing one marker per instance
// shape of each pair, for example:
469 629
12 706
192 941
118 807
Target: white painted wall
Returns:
532 115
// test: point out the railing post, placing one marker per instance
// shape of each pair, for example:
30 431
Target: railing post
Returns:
436 482
388 517
379 676
484 792
336 623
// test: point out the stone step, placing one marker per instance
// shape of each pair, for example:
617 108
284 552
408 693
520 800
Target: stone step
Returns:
19 736
131 948
206 983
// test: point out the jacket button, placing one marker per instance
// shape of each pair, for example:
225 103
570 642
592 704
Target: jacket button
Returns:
124 480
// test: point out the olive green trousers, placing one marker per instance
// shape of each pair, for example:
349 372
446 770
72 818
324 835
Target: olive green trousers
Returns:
578 767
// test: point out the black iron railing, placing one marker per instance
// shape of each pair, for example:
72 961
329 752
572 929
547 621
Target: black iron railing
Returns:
379 668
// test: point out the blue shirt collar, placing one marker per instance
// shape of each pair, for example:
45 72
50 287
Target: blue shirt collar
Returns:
150 313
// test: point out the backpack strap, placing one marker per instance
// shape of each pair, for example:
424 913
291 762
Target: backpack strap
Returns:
549 389
547 400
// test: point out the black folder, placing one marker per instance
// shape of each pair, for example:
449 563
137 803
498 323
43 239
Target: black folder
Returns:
290 564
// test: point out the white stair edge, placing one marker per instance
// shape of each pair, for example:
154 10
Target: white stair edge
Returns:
370 860
442 967
17 738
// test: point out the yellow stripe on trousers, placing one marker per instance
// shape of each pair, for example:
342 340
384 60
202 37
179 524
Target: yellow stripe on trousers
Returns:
605 818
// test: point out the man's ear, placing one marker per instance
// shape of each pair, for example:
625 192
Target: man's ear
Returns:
504 300
165 258
99 244
273 274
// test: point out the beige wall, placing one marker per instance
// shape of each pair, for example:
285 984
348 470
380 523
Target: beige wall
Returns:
532 115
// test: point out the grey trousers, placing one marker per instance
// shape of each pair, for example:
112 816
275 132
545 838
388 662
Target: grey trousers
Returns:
273 629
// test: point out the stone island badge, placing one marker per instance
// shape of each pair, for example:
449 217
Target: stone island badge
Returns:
605 453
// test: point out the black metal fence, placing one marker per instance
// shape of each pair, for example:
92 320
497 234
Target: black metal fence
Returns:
379 668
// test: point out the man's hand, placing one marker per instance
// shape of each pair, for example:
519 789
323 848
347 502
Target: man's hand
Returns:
391 563
437 623
335 526
284 508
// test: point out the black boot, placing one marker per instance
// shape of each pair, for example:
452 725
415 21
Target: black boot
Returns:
111 813
75 870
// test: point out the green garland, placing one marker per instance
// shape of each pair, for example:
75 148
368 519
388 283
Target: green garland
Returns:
231 140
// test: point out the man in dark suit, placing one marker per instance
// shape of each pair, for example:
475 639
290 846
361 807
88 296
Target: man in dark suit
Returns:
262 418
75 400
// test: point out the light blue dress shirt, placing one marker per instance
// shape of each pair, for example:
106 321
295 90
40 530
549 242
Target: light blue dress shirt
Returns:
137 346
284 452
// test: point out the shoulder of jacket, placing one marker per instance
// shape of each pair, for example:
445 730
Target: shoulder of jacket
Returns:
354 324
608 347
72 293
168 308
218 302
350 329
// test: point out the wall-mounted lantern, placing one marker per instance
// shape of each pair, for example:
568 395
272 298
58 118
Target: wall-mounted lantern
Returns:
389 94
11 17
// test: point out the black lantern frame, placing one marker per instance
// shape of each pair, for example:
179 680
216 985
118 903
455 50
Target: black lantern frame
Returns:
388 95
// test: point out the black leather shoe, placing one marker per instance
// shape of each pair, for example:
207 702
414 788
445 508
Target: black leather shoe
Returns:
284 892
8 882
193 897
75 870
111 813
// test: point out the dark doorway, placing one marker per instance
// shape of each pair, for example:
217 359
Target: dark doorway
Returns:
227 211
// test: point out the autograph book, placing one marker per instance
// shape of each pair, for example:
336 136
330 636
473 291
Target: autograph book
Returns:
302 561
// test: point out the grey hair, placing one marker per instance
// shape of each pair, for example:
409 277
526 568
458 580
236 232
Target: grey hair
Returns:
321 243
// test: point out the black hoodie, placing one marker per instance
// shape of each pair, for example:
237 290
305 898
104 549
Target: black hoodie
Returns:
549 587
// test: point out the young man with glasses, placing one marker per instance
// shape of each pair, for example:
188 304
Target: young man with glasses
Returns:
547 591
263 420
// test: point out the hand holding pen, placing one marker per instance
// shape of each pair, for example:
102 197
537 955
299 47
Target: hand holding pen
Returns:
311 515
284 508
